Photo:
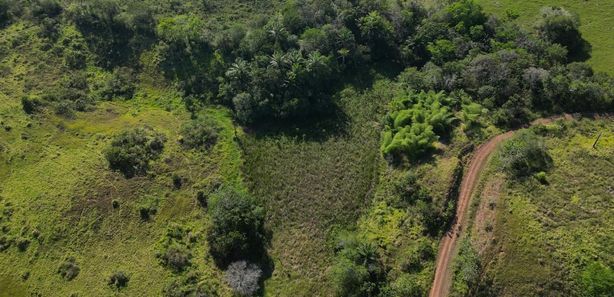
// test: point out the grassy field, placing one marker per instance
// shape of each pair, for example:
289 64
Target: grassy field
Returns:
314 179
596 20
536 239
57 193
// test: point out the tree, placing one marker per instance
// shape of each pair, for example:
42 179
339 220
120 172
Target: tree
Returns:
377 32
238 227
243 278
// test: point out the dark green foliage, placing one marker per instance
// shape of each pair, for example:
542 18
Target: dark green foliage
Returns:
8 9
131 151
525 154
598 280
358 270
69 269
22 244
201 134
148 208
238 231
30 104
118 280
115 33
121 84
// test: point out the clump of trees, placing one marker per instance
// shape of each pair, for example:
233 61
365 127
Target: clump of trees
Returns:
131 151
525 154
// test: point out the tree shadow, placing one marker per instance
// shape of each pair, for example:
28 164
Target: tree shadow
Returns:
317 127
580 49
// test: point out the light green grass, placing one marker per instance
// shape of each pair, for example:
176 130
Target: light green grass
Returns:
597 21
546 234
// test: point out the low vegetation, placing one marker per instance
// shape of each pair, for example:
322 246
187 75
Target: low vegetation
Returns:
548 236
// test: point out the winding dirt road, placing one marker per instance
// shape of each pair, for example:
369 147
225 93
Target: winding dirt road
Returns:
443 272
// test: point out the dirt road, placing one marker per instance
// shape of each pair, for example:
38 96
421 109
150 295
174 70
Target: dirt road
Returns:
443 273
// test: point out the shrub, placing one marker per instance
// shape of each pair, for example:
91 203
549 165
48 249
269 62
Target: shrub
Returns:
118 280
598 280
243 278
69 269
176 256
131 151
525 154
560 26
30 104
22 244
121 84
200 134
189 285
407 285
541 177
358 270
237 230
413 121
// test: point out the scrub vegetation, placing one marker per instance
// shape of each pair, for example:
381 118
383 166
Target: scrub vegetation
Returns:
274 148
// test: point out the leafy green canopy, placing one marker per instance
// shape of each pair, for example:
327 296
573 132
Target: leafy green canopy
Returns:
415 122
131 151
238 230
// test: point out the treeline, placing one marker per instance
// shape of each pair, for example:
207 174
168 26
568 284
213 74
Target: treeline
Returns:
285 66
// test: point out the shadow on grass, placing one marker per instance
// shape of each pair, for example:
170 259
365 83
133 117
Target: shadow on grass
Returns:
333 121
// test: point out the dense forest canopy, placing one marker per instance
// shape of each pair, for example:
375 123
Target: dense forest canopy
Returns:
286 66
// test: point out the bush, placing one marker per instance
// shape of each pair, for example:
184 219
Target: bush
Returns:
243 278
598 280
122 84
200 134
131 151
189 285
30 104
358 270
560 26
69 269
407 285
176 256
525 154
118 280
238 230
